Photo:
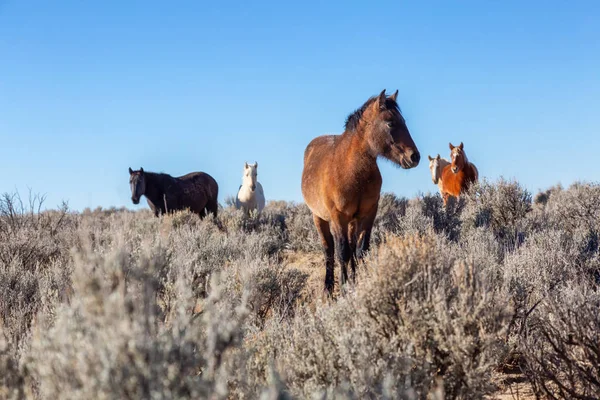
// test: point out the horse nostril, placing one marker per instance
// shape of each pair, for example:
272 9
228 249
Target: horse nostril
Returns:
415 157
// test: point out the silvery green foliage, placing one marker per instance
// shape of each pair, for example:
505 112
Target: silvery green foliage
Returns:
119 304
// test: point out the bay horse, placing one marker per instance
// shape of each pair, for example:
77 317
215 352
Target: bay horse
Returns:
341 182
197 191
458 175
436 166
250 195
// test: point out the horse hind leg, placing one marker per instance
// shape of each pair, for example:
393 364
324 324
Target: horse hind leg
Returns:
342 245
352 241
328 250
364 243
212 207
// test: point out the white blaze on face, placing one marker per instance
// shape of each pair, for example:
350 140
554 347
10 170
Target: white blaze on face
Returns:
250 175
433 168
454 154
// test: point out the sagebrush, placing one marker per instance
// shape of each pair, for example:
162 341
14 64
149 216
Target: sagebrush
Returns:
120 304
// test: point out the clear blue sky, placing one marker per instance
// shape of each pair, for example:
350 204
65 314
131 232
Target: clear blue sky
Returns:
88 89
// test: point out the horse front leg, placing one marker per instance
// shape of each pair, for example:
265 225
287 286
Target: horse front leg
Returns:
445 197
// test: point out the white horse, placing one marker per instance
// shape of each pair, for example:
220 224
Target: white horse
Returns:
250 195
436 166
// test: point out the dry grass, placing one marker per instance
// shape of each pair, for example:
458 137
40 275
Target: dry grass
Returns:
117 304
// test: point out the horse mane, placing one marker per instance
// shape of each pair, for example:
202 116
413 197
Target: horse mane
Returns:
466 158
160 179
354 119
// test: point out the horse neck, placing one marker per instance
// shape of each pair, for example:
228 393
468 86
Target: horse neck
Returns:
359 158
442 163
155 187
461 161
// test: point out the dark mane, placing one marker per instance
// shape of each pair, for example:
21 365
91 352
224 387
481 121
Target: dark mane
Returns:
159 178
354 118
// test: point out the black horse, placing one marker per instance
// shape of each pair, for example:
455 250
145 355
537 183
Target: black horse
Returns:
197 191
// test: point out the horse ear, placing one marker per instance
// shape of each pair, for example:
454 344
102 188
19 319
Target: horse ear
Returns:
130 171
394 96
451 147
430 158
255 164
460 146
438 156
141 170
245 165
382 100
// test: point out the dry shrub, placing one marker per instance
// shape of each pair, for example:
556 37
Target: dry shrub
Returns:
301 232
120 304
109 342
34 263
541 199
390 213
27 233
577 211
404 329
416 216
273 291
575 208
563 346
12 378
502 207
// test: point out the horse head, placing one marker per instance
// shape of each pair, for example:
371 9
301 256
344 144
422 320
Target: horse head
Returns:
387 132
250 175
458 157
434 168
137 182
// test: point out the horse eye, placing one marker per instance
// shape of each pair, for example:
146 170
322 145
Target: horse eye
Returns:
390 124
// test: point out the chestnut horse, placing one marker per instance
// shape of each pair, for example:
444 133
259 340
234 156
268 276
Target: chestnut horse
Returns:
459 175
341 182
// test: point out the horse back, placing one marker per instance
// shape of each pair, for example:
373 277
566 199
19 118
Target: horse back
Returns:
318 147
197 189
199 179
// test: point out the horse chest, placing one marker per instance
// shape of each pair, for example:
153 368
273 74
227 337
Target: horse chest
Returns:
357 195
455 183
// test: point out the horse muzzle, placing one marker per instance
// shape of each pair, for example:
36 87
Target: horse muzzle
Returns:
411 161
135 201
